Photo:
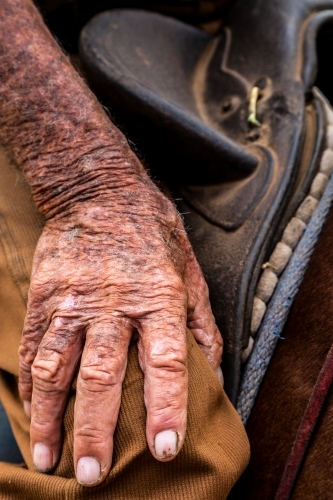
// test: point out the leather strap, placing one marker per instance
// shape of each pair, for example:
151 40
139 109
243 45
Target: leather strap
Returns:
305 430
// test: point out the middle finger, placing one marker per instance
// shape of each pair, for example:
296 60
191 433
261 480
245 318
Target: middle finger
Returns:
98 397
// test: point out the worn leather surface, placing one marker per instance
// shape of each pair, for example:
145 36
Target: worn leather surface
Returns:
183 96
287 388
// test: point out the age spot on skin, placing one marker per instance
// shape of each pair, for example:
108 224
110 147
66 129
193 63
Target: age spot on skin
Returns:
68 304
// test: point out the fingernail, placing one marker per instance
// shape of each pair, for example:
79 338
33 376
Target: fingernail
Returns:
27 408
43 458
166 444
88 470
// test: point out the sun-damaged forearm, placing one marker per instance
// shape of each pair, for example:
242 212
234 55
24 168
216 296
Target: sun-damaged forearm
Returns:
52 124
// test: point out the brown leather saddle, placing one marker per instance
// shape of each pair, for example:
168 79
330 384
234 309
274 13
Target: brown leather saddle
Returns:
232 124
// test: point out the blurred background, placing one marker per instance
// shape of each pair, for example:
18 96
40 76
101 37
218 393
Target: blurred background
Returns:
65 18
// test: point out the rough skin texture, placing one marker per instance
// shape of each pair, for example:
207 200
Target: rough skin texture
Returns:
113 261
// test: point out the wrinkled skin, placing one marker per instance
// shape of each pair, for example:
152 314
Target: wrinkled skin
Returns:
97 280
113 262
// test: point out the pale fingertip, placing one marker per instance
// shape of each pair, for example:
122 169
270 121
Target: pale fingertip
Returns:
166 444
42 457
219 374
27 408
88 471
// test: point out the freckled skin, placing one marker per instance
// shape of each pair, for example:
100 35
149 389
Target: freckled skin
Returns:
113 260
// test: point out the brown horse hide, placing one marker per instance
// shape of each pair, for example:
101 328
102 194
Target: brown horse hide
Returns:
287 388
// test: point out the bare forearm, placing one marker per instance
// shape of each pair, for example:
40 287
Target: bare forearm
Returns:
113 258
50 121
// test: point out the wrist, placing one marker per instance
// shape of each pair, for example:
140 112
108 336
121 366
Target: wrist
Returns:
107 176
127 202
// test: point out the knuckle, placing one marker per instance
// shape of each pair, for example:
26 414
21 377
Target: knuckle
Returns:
172 283
174 362
91 431
26 356
42 285
36 286
97 379
44 427
169 408
170 405
48 373
177 283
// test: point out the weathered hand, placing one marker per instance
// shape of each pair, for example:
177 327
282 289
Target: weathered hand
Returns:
105 270
112 261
